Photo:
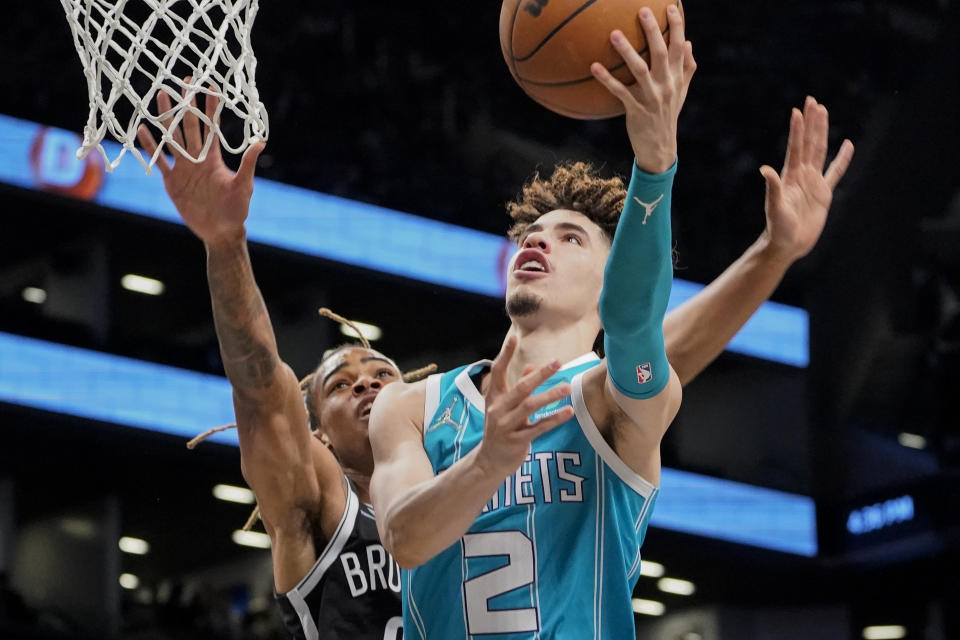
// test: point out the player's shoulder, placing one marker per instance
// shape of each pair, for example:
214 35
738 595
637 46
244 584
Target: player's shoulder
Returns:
595 397
400 399
402 392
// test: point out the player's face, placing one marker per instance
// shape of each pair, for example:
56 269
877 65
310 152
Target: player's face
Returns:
349 382
558 268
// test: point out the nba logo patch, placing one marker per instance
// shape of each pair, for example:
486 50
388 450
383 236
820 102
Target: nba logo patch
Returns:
644 373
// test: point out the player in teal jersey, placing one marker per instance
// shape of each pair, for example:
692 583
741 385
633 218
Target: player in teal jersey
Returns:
516 497
273 420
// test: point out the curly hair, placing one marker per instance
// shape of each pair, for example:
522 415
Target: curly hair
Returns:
575 186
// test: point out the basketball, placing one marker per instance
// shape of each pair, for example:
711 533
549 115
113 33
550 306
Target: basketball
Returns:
549 46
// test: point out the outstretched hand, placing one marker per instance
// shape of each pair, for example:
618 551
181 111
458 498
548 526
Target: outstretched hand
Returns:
799 197
653 102
508 431
212 200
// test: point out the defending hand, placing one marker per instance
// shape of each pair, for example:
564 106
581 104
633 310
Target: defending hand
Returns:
211 199
799 197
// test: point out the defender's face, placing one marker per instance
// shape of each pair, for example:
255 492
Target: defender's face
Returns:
349 383
560 261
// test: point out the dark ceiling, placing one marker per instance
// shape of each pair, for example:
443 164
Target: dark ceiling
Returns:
416 110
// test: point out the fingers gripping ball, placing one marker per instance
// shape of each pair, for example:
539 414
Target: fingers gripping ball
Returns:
549 46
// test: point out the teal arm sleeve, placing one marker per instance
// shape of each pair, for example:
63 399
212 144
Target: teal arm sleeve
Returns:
636 287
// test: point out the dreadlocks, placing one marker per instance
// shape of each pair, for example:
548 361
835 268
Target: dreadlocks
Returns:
308 384
307 390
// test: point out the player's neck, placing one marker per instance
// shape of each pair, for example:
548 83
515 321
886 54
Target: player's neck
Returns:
358 467
361 481
542 344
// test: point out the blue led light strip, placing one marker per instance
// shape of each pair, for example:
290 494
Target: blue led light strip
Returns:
736 512
776 332
123 391
109 388
316 224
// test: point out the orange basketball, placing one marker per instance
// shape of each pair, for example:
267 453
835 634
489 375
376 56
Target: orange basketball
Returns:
549 46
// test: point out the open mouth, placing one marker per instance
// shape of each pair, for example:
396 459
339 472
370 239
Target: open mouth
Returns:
363 409
531 261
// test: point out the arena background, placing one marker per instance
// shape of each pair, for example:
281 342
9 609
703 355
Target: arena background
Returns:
413 110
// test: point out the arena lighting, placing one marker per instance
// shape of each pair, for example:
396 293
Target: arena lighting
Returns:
648 607
251 539
109 388
142 284
676 586
230 493
78 528
333 228
736 512
651 569
123 391
912 440
886 632
134 546
370 331
34 295
129 581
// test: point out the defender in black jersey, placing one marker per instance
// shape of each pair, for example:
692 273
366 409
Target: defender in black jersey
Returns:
334 578
353 591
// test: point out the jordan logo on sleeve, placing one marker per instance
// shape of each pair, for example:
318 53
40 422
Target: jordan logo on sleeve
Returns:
649 208
446 418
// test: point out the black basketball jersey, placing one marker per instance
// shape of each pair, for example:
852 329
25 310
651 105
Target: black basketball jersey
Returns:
353 590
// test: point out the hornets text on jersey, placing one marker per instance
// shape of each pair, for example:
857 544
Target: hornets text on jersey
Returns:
353 590
555 553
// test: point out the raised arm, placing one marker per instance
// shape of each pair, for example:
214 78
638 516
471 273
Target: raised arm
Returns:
289 470
420 514
639 390
797 202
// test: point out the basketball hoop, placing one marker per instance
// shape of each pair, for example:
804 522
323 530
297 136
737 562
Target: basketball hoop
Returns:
133 49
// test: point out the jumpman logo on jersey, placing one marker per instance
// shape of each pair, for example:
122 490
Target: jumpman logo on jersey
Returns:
649 208
446 418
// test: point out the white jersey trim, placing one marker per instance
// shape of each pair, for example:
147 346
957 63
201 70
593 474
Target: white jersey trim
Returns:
330 552
472 394
584 359
431 400
307 623
634 480
468 389
412 607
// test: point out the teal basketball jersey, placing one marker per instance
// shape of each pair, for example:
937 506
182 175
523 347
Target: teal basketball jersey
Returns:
555 553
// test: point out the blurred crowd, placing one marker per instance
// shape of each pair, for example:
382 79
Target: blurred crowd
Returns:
201 613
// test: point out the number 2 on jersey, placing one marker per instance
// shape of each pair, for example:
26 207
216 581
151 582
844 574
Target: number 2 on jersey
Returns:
517 573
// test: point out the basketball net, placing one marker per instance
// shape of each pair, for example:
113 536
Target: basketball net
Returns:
133 49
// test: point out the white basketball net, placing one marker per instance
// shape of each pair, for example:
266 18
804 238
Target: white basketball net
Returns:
132 49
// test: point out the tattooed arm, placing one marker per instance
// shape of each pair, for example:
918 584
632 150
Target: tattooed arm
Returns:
297 480
247 342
